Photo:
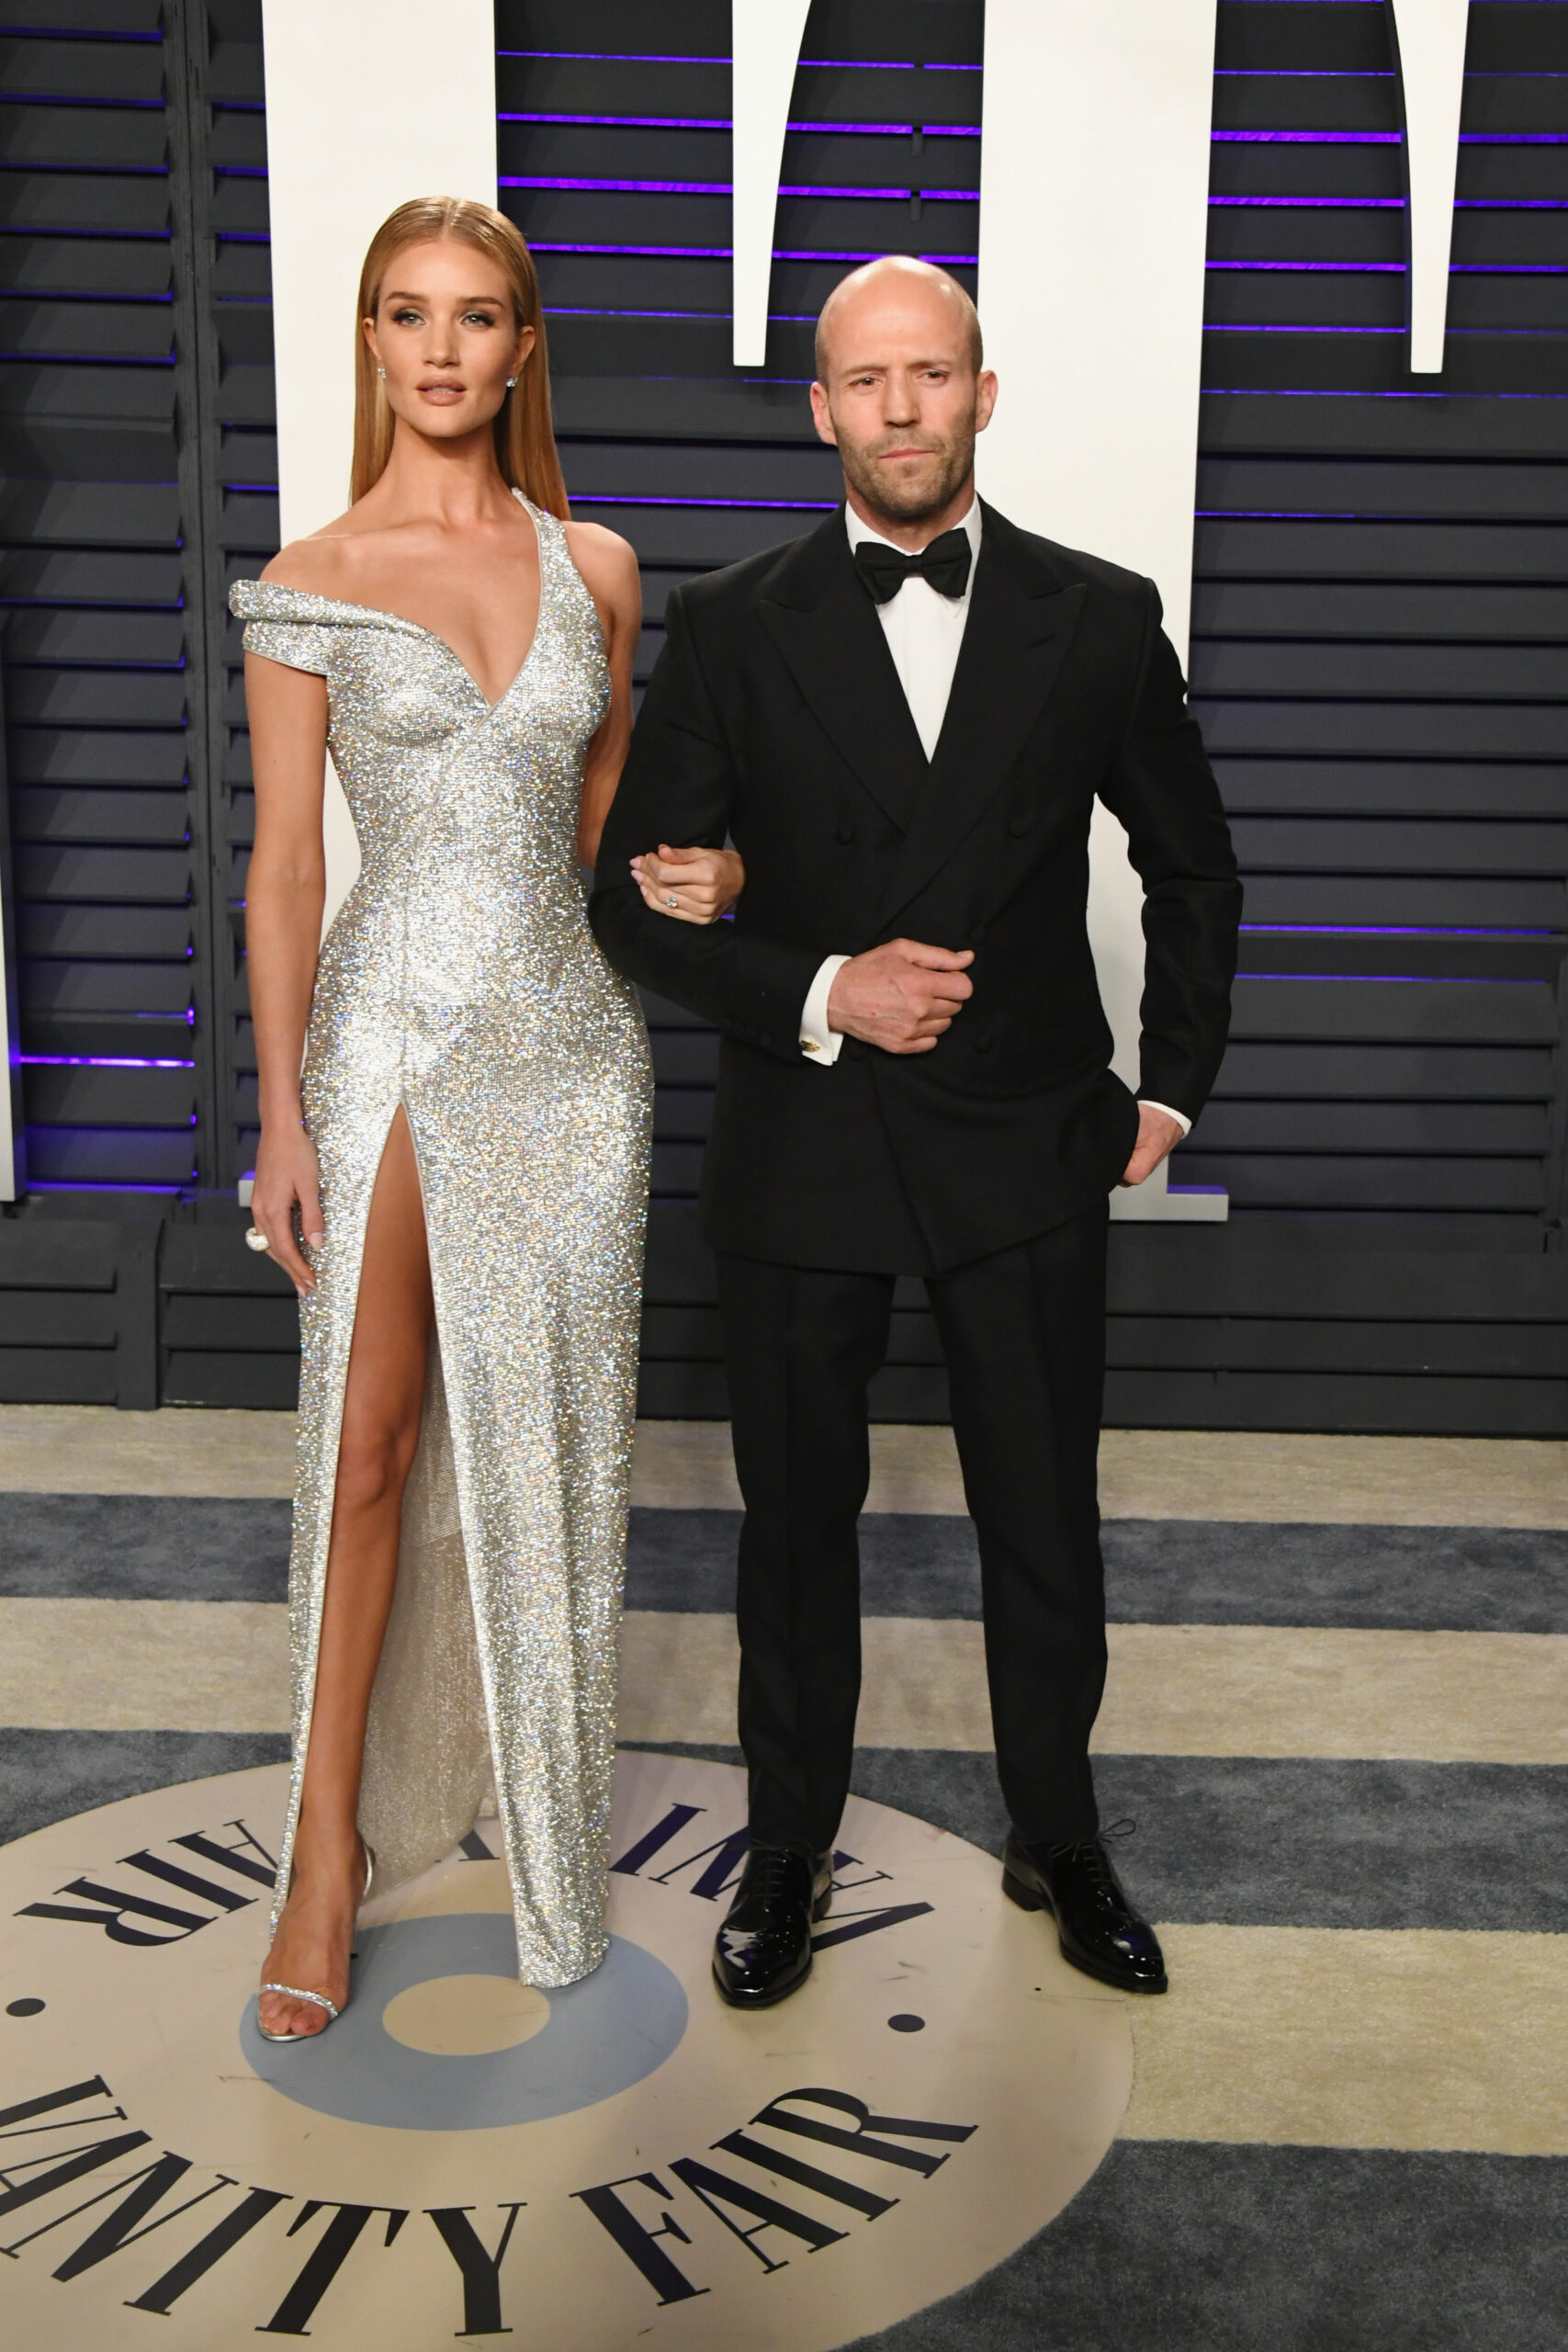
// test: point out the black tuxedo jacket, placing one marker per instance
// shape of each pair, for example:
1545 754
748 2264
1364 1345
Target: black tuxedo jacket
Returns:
775 715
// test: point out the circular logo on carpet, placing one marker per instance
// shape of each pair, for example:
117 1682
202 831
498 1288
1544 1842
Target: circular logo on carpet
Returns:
463 2156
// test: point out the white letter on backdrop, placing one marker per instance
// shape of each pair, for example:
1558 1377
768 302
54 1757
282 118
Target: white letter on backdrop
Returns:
766 37
1430 36
1094 199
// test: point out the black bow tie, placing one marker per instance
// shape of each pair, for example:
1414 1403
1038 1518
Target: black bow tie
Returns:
945 563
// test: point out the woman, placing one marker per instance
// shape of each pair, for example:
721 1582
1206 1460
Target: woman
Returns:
457 1184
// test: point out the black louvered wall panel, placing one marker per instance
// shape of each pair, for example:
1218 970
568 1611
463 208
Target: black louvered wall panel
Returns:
1378 659
1381 604
1380 607
243 460
107 811
228 1327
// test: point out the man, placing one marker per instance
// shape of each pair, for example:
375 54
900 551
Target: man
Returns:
902 720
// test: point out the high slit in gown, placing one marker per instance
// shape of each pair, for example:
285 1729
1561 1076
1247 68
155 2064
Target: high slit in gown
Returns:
460 980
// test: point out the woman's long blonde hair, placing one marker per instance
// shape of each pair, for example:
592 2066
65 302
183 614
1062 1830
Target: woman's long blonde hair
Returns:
525 437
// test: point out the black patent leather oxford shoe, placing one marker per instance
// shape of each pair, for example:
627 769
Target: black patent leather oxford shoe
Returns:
1097 1927
763 1949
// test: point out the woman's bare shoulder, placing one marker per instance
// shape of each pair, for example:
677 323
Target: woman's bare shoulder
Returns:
331 562
606 562
317 564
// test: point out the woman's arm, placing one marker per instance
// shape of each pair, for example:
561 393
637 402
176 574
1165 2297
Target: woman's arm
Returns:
689 885
709 880
609 568
284 897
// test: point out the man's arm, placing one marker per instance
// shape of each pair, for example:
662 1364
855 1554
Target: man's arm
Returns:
678 784
1163 790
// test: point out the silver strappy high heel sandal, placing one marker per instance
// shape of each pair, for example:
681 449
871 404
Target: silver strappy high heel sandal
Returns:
302 1992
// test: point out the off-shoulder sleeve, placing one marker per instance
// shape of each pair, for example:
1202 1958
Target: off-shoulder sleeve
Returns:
281 626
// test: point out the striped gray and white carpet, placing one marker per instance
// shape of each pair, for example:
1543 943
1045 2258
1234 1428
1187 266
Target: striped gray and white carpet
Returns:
1337 1714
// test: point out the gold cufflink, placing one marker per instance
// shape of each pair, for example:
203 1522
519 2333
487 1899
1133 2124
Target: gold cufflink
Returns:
810 1045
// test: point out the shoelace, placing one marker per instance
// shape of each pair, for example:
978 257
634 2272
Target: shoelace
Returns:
771 1867
1096 1861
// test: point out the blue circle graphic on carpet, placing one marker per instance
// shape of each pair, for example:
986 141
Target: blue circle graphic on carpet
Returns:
601 2035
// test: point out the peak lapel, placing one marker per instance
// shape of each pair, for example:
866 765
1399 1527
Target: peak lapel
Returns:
1021 626
826 628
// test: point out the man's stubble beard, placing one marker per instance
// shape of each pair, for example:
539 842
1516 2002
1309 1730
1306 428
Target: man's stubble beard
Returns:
916 504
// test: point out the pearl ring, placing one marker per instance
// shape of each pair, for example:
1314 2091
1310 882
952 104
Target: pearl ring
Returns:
254 1240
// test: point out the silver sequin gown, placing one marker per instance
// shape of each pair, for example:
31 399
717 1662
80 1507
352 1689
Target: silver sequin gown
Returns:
460 980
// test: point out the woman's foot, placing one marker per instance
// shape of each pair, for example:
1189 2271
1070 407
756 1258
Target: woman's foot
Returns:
315 1936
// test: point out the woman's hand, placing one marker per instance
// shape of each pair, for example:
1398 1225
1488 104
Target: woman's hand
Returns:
690 885
289 1177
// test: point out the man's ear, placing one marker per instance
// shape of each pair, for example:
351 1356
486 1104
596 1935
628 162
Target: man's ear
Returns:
821 417
985 399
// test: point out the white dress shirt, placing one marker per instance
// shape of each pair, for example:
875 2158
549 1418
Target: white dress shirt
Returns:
924 631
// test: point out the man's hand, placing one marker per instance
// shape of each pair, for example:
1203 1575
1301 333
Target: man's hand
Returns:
1158 1134
901 997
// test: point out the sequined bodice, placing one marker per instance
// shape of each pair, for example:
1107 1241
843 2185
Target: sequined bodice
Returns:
466 812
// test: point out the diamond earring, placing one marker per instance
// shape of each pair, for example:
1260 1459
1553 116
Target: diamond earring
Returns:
511 383
382 373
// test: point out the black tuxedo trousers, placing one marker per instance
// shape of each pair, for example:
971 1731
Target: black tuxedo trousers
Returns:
1024 1335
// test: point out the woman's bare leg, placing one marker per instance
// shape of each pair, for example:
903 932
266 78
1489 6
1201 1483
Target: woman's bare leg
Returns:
382 1402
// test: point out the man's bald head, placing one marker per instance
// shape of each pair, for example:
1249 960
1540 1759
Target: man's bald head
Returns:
900 393
895 278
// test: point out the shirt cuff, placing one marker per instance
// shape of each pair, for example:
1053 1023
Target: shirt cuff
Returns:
818 1042
1182 1120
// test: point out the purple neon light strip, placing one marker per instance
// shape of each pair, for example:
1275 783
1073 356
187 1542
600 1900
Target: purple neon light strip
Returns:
887 66
79 98
1395 979
666 57
1312 203
1384 138
630 187
1456 269
1307 138
1456 334
44 1184
1388 931
1384 203
722 122
927 195
100 1061
596 310
1316 393
1214 327
1315 267
66 358
722 188
722 253
739 506
617 56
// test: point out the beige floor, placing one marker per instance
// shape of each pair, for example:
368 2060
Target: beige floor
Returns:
1346 2037
1173 1690
1144 1474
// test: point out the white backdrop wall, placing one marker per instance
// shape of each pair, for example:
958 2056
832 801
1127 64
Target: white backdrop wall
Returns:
1094 190
369 103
